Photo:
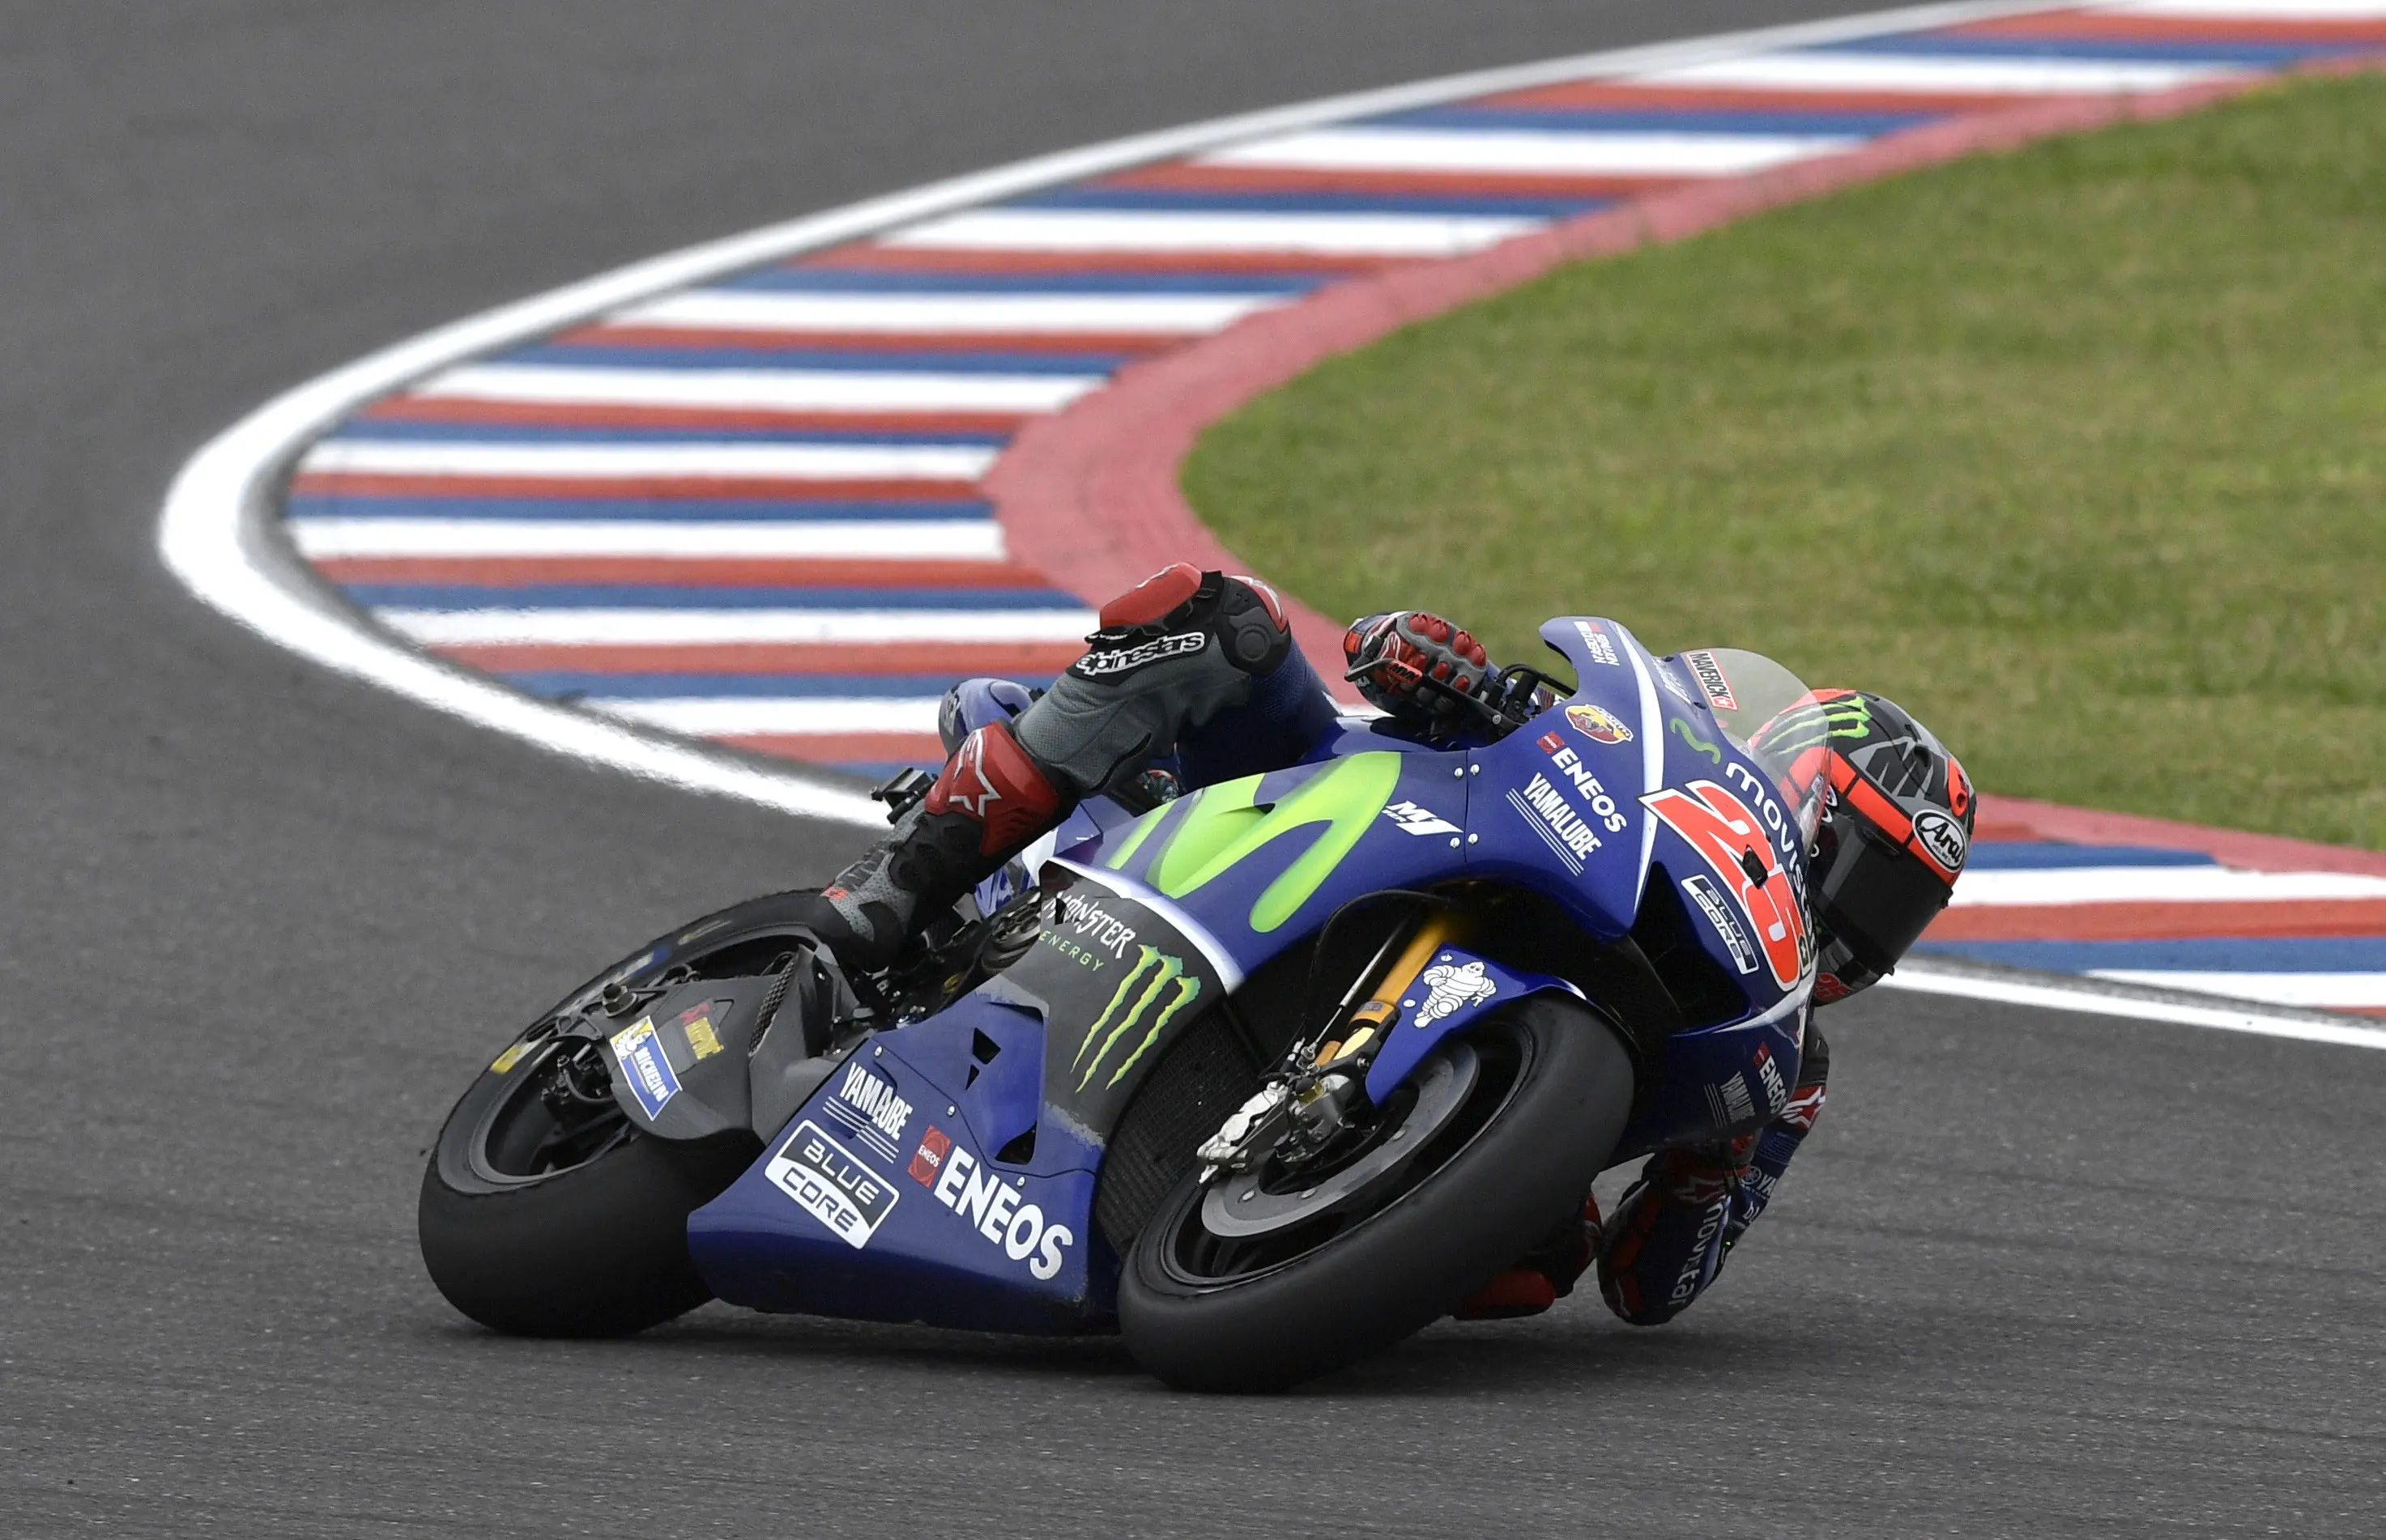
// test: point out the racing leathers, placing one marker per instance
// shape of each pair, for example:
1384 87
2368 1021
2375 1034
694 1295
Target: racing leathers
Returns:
1200 667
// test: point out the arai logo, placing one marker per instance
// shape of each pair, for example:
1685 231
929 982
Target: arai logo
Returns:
1942 838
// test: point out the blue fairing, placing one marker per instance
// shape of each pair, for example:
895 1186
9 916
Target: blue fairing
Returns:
947 1172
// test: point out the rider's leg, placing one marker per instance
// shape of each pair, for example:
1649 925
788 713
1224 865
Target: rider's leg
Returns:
1665 1231
1673 1230
1172 654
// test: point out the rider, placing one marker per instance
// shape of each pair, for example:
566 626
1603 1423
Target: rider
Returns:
1203 666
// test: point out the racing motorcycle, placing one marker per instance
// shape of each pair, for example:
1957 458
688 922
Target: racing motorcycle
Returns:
1267 1076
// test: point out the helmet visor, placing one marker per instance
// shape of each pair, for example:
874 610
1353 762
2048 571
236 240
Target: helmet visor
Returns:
1876 896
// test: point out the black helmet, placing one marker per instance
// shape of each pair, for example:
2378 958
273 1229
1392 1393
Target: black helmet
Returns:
1894 841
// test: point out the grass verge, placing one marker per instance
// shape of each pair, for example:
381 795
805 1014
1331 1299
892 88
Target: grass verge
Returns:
2079 453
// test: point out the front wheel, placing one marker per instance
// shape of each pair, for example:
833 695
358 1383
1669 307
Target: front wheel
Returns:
1264 1278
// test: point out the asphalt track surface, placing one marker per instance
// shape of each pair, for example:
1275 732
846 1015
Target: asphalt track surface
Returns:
257 926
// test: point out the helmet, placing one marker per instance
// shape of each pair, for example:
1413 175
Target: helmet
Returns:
1893 839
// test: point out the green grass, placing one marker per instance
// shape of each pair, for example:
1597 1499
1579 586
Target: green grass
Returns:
2079 453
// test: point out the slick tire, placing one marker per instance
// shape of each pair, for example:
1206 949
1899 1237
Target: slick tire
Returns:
598 1250
1388 1275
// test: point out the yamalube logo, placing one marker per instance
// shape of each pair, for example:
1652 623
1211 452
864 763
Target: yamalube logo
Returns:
870 1107
1942 838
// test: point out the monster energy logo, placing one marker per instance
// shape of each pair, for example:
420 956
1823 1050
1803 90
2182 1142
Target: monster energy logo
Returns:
1812 722
1156 979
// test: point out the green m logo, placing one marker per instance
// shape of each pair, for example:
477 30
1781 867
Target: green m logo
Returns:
1218 826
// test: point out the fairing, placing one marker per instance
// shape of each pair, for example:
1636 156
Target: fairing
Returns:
948 1172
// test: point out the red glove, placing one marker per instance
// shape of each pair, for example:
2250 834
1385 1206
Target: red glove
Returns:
1411 664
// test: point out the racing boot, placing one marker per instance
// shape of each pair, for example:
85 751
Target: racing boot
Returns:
1544 1276
991 800
1182 650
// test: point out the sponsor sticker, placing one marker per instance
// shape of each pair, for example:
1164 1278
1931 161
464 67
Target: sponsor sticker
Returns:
1710 901
641 1053
1729 1102
1587 786
872 1110
1151 994
929 1158
1708 670
1096 926
510 1058
1777 1094
1673 683
1414 820
697 1026
1450 987
1603 646
1731 840
1569 837
1101 665
992 1209
831 1185
1942 839
1599 724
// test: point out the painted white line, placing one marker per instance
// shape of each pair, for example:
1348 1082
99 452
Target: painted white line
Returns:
2157 885
806 716
592 627
825 462
889 539
1092 230
1923 979
824 390
2320 991
2257 10
1944 73
1057 315
215 534
1529 151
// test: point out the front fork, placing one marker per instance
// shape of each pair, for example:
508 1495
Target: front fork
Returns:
1308 1100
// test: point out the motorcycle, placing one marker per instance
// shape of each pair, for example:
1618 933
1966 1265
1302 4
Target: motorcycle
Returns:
1267 1076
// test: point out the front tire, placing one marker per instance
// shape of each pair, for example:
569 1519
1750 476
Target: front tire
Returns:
1550 1093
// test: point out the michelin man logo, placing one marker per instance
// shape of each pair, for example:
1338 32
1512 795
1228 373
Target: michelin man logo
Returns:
1448 988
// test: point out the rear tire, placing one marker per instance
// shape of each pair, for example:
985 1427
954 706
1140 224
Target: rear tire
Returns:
1555 1108
596 1247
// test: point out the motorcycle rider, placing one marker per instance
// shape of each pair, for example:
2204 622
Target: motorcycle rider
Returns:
1201 666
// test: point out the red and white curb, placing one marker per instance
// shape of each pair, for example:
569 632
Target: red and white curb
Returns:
774 492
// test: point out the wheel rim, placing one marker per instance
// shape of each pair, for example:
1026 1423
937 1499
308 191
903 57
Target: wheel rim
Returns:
558 1115
1317 1204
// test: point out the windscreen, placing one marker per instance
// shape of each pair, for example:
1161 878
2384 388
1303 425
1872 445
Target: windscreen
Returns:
1771 714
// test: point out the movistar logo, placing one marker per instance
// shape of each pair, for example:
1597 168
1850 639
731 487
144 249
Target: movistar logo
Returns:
1216 828
1154 990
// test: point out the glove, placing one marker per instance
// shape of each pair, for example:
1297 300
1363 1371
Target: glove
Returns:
1414 666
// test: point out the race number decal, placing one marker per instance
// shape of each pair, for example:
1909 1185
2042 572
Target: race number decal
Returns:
1727 837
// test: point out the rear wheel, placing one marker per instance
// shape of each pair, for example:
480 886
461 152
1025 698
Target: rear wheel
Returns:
546 1212
1264 1279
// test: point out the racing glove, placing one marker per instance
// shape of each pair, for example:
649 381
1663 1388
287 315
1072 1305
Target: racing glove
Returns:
1416 666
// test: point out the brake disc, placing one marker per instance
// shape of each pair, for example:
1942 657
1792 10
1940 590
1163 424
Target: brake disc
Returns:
1239 1206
